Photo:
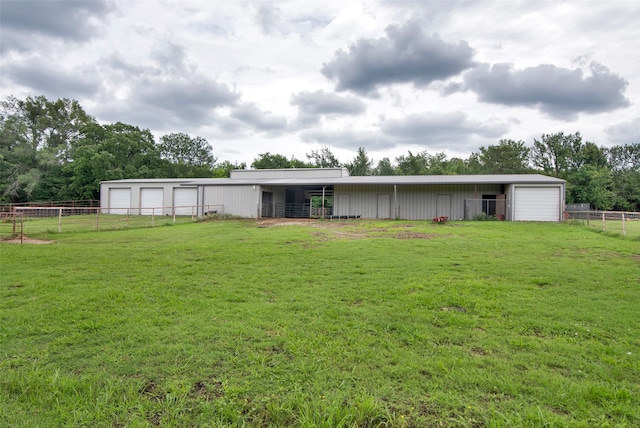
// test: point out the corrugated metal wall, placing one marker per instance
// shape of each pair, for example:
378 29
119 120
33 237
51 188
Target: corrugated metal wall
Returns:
412 202
361 200
136 192
243 201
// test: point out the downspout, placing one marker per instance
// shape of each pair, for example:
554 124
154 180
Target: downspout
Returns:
323 202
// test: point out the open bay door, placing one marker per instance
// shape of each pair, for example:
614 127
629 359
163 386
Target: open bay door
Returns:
537 203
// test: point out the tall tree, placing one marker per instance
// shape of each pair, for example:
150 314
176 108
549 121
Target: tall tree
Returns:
384 167
424 163
186 156
624 163
412 164
224 168
36 138
361 164
111 152
323 158
437 164
457 166
508 157
593 185
276 161
553 153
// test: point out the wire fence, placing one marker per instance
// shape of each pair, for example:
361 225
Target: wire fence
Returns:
34 221
92 203
615 222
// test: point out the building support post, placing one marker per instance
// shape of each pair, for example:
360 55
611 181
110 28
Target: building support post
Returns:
395 202
323 187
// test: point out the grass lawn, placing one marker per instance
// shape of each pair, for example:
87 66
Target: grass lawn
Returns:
363 323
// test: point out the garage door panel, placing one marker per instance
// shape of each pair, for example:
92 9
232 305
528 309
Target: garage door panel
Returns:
537 204
119 200
185 200
151 201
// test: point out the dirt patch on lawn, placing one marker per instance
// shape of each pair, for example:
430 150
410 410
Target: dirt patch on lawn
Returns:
350 229
25 240
413 235
271 222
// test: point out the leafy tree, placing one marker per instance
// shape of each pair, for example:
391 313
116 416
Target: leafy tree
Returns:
589 154
593 185
412 164
559 154
323 158
224 168
36 138
186 156
297 163
508 157
384 167
112 152
425 163
624 158
269 161
437 164
474 165
457 166
624 163
552 153
361 164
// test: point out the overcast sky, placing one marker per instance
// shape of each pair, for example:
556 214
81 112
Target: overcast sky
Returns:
288 77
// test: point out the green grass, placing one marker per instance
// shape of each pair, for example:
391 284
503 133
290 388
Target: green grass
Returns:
402 324
629 229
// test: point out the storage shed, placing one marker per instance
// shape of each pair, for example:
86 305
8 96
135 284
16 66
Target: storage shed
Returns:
332 193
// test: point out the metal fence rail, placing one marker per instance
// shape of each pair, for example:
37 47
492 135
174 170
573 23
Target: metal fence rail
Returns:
31 220
91 203
620 222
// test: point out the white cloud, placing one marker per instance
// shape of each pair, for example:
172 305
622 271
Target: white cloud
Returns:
260 76
558 92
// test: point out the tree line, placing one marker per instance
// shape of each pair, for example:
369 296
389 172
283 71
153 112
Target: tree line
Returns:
54 150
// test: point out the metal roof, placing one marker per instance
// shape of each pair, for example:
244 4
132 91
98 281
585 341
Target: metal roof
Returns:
151 180
389 180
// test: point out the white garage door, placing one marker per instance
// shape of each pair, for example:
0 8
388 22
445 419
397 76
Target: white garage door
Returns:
537 203
151 201
185 200
119 201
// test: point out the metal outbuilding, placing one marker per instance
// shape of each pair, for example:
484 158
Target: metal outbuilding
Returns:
300 192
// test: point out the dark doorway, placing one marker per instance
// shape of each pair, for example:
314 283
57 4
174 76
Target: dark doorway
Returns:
267 204
489 204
